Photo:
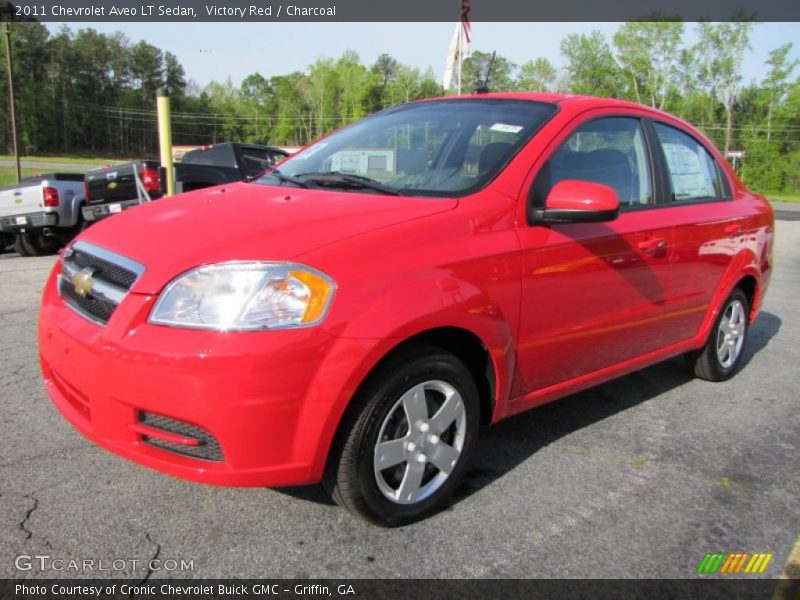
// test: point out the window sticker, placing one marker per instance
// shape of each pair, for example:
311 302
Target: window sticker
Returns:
506 128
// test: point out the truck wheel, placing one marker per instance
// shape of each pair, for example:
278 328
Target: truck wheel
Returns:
720 357
406 440
6 242
19 247
37 244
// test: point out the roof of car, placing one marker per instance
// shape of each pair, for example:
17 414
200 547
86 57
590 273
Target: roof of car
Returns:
571 100
563 99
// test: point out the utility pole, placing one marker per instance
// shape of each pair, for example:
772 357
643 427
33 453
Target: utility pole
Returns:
165 138
11 103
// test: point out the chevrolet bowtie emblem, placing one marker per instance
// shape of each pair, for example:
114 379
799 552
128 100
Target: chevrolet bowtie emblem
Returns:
83 282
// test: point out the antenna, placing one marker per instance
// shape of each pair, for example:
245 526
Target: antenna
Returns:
484 89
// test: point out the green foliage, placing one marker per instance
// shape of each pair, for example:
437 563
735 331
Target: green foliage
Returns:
91 93
536 76
648 53
476 67
591 65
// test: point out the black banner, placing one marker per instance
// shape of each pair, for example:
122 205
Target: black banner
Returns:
398 10
403 589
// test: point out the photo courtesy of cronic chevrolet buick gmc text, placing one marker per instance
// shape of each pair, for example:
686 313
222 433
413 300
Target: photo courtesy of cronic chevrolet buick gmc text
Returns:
356 314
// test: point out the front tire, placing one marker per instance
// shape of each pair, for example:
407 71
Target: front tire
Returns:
720 357
406 440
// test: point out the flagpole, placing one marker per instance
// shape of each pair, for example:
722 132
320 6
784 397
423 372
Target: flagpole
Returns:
460 54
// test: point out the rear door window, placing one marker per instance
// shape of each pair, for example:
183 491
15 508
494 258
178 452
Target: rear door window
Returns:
217 156
255 160
693 173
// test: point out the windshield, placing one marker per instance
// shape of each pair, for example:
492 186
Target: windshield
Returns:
434 148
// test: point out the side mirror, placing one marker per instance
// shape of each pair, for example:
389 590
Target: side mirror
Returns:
573 201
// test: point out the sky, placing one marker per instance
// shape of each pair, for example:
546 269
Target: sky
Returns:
216 51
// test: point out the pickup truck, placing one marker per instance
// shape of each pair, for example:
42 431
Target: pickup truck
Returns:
41 213
355 322
112 190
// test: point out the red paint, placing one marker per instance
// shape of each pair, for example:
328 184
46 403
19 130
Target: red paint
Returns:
582 195
559 308
50 196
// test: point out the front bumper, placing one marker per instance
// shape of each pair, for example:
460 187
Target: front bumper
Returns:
96 212
271 399
20 223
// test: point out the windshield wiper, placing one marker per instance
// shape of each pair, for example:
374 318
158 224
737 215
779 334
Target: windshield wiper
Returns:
328 177
288 179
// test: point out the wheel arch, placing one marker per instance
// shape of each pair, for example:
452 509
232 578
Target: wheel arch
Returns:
485 362
466 346
742 273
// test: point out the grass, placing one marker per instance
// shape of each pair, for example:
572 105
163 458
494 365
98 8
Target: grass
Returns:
8 175
73 160
782 197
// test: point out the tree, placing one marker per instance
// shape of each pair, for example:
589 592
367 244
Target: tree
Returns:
146 64
591 65
536 76
648 53
174 76
777 80
476 67
720 51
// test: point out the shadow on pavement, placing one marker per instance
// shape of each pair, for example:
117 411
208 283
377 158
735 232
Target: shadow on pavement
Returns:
503 446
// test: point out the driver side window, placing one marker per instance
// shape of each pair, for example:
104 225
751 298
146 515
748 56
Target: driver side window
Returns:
611 151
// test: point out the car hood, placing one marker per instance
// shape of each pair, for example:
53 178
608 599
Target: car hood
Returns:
246 221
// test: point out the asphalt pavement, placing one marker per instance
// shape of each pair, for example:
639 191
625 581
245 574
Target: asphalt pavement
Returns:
639 477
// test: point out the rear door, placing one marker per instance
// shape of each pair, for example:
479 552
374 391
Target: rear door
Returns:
709 226
593 293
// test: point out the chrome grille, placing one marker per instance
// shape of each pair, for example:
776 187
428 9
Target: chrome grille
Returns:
106 279
110 272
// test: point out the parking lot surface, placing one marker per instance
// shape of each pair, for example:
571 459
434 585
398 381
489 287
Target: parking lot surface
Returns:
639 477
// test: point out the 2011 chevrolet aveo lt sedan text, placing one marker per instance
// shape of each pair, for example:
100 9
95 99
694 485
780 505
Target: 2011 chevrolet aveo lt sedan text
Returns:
356 314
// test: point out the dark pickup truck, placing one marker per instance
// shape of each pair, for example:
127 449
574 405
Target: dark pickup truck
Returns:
112 190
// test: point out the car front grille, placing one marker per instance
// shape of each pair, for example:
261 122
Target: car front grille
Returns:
93 280
99 309
207 447
112 273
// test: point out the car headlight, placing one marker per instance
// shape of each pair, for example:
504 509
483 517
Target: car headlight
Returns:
245 296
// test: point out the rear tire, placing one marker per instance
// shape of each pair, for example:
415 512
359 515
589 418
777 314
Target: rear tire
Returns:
6 242
19 247
37 244
405 442
720 357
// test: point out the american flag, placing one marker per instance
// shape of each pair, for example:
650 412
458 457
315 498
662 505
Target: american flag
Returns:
465 8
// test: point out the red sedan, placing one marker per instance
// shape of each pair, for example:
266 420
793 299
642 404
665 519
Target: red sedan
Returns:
353 316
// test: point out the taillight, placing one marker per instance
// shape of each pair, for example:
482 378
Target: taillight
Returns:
85 191
50 196
151 179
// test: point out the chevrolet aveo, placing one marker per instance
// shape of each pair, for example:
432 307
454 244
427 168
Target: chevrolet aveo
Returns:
356 314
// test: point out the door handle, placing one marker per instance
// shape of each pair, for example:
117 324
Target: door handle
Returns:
734 229
653 245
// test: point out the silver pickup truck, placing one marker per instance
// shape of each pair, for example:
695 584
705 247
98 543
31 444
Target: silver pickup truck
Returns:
41 213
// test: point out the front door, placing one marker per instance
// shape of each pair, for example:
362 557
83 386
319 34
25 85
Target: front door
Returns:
593 293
